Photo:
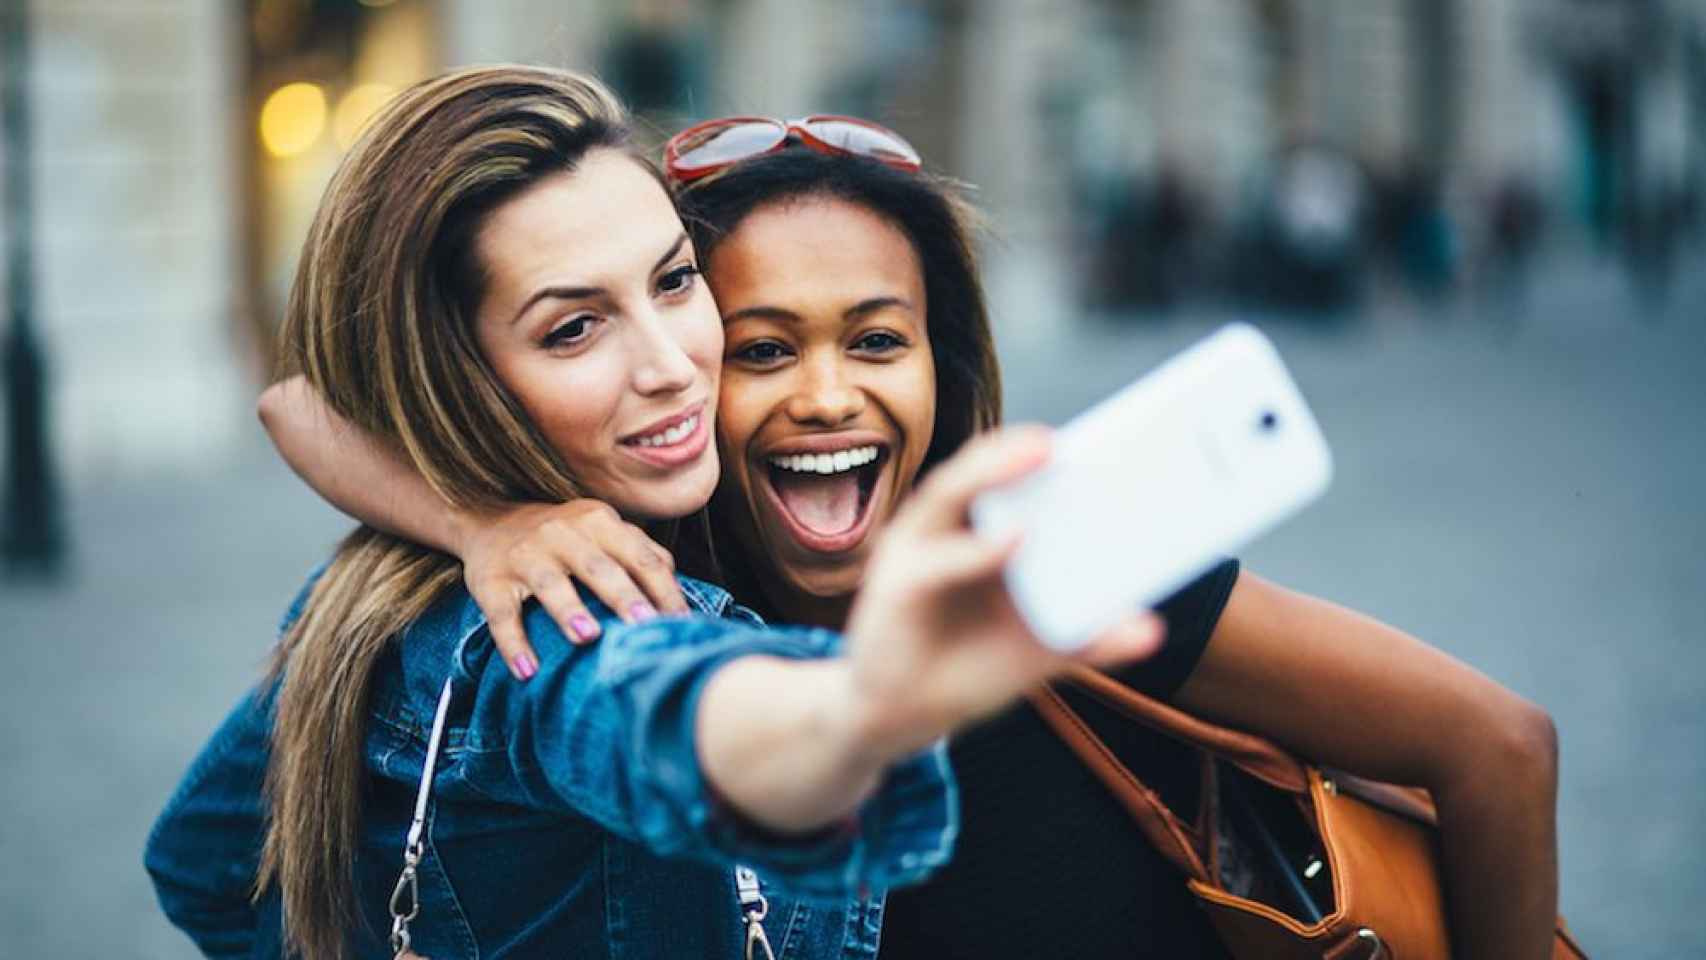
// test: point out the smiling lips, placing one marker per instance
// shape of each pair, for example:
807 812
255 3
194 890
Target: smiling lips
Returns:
824 495
671 442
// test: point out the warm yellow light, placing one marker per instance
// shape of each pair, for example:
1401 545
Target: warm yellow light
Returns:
356 108
292 119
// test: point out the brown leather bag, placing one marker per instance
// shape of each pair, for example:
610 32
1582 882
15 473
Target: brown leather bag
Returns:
1380 844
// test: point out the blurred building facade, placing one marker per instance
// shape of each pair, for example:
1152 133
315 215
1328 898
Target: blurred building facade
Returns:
1159 144
132 144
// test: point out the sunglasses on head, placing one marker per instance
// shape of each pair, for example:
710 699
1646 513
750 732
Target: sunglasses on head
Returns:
706 148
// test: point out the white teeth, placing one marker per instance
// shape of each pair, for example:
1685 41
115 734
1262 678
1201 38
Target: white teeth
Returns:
673 435
840 461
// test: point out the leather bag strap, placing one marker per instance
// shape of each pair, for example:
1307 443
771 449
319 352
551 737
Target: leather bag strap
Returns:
1165 832
1169 835
1256 756
1261 758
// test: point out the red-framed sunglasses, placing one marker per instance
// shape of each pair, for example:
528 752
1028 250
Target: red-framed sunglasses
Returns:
705 148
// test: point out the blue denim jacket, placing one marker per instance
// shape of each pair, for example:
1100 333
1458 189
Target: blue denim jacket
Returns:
569 815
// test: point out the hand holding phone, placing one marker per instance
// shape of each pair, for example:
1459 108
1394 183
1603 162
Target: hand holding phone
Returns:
1153 485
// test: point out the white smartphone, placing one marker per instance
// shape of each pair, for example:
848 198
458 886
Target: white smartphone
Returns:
1152 486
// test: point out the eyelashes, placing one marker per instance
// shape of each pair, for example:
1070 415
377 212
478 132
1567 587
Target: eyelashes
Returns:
876 344
679 280
761 353
880 341
572 332
674 284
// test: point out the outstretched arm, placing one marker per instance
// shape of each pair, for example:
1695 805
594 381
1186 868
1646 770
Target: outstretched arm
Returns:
933 643
528 550
1349 692
662 725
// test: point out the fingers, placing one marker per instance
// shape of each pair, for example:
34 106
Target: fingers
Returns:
617 561
650 566
1133 638
501 603
992 460
551 586
546 551
954 560
601 571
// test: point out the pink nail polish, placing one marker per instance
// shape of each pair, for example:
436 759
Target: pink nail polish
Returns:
525 666
585 627
642 611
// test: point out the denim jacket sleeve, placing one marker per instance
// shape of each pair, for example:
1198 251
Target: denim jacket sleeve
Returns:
203 851
607 732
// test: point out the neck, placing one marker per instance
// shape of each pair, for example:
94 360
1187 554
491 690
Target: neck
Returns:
798 607
783 603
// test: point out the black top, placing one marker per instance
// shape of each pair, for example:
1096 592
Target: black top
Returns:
1048 864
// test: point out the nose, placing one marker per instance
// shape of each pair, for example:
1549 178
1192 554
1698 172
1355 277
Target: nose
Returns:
661 364
824 395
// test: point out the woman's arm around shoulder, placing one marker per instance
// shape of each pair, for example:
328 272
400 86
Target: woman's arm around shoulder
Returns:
1350 692
522 551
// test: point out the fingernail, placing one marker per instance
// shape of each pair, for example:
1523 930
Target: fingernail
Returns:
584 626
525 668
642 611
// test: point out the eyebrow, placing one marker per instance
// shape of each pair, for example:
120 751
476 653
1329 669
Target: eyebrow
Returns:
860 309
582 293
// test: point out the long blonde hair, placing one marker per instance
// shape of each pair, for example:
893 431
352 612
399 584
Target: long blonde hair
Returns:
380 321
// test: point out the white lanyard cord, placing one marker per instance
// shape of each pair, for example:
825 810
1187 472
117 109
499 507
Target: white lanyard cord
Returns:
431 764
405 897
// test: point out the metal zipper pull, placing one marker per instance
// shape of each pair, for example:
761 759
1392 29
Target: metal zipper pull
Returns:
754 908
757 944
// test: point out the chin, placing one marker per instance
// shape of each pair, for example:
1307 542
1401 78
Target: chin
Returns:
676 497
830 582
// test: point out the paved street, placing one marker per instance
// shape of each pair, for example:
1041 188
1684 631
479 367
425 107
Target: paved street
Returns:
1519 487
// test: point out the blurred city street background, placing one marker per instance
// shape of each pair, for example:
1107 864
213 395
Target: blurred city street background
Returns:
1474 228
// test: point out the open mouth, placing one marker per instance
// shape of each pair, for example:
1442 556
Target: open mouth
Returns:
826 497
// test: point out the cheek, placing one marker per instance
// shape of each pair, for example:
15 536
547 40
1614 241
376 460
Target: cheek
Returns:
911 399
740 406
927 392
915 398
573 402
702 339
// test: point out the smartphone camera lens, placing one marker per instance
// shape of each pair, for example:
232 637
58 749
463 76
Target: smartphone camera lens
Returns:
1269 422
